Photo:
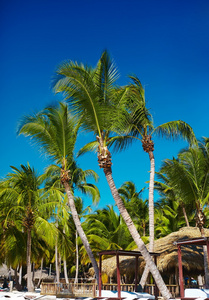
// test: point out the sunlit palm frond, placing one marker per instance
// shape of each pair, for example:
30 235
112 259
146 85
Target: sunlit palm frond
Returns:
175 130
92 146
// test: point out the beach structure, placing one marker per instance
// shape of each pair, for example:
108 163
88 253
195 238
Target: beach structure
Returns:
167 262
191 293
121 294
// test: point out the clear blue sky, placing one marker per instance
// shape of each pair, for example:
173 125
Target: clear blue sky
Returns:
165 43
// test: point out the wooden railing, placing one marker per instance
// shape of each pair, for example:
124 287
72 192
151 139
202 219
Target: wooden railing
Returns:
89 289
69 289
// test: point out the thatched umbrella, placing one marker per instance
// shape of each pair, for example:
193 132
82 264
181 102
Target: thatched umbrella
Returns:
43 274
127 268
167 261
192 256
5 271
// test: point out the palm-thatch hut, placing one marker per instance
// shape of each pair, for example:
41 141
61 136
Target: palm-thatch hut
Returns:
6 272
167 261
192 255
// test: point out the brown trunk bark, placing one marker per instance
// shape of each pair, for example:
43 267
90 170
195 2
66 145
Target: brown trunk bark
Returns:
134 233
80 229
185 215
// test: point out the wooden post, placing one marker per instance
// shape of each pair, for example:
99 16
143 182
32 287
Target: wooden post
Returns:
176 281
100 275
207 243
118 275
181 279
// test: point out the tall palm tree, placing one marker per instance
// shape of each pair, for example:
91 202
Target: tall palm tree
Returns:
141 127
82 212
55 131
92 95
21 188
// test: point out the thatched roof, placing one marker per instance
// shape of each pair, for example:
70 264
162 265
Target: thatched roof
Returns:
5 271
43 274
192 256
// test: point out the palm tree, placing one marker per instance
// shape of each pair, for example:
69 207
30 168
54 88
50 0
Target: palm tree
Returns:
82 212
92 96
137 208
55 131
141 127
29 207
190 177
107 230
168 217
171 195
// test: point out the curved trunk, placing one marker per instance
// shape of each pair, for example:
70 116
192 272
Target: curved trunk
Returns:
80 229
134 233
151 215
29 273
65 271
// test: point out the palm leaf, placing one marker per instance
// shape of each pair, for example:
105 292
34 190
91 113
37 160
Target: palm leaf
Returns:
175 130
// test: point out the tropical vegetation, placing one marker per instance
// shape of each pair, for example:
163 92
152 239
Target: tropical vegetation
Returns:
44 217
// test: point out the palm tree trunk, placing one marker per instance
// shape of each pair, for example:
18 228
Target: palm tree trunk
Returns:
65 271
20 276
151 215
57 265
39 281
80 229
185 215
29 273
134 233
65 265
77 258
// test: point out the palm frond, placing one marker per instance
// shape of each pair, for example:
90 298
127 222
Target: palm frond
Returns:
175 130
92 146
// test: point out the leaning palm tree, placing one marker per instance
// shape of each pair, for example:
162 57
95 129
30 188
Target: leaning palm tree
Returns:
55 131
141 127
30 208
90 93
